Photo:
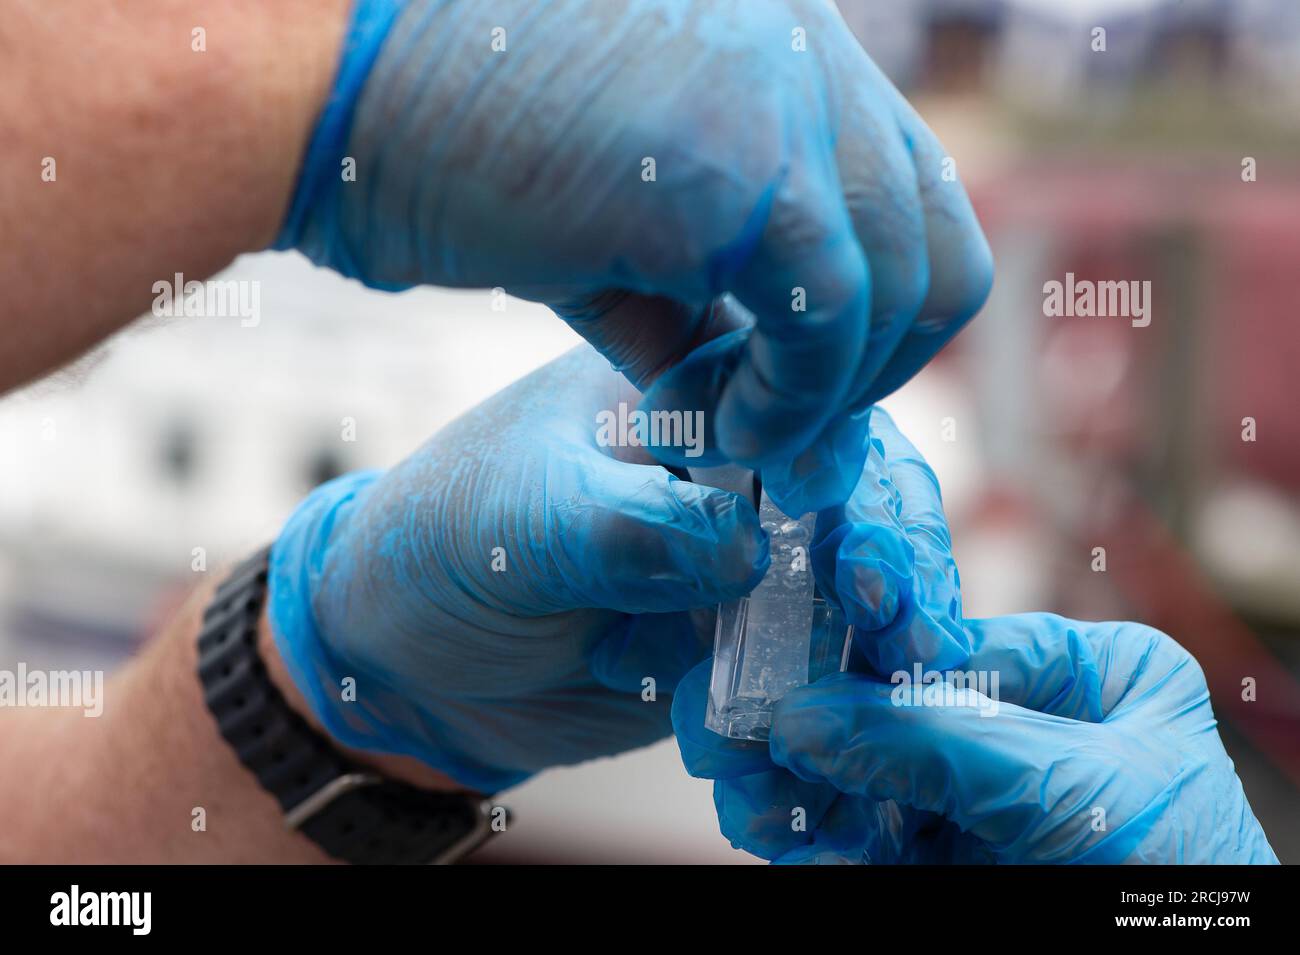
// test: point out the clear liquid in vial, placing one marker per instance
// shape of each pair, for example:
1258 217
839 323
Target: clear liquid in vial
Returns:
779 637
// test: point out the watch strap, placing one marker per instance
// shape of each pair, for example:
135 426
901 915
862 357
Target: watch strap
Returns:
352 813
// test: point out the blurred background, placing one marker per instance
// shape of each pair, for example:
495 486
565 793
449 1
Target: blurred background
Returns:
1175 447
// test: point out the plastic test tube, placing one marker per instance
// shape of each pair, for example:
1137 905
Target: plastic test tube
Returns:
779 637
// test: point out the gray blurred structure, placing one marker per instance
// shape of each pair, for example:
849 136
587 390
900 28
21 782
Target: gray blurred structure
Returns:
1039 52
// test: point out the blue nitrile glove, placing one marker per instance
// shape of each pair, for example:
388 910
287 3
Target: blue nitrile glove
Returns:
502 596
645 166
886 558
1102 748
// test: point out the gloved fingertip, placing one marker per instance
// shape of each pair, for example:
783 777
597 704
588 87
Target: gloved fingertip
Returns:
731 550
825 473
802 494
873 575
872 593
638 540
691 389
750 820
769 813
814 727
705 754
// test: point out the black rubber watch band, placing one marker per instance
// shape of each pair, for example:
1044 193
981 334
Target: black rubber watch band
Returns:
352 813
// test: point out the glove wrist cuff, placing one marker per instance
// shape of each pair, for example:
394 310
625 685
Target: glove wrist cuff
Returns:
296 568
320 175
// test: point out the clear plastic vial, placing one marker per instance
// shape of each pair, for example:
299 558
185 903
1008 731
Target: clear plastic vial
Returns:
779 637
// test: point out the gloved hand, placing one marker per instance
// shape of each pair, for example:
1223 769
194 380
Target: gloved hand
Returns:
1102 748
501 596
886 559
657 171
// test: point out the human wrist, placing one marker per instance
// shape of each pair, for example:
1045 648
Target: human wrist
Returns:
273 79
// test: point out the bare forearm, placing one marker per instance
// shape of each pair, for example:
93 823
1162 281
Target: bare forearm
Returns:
124 787
165 159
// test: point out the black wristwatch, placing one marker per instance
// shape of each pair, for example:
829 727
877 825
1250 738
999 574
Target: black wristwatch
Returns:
352 813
